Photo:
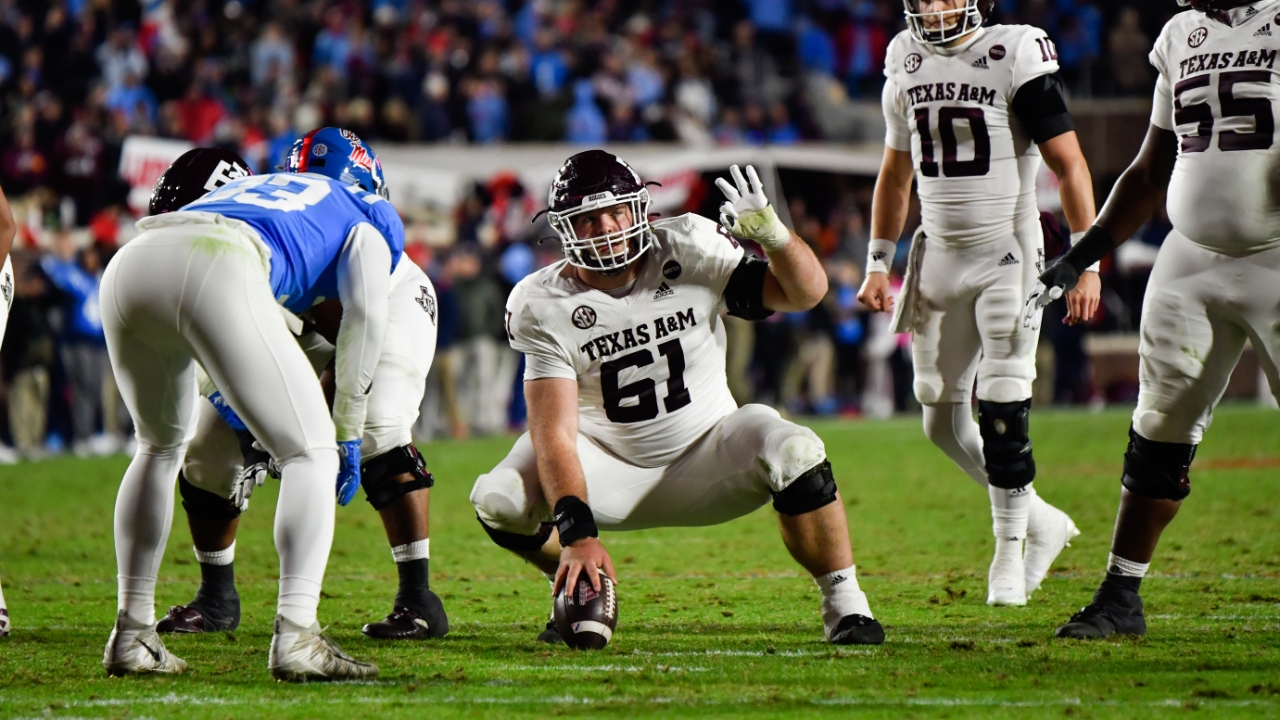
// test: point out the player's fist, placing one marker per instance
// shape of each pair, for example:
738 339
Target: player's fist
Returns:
747 213
348 470
875 292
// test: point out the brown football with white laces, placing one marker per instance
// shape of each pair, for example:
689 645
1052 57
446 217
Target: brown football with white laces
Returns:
586 617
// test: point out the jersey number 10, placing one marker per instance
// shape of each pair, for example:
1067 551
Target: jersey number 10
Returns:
646 405
952 166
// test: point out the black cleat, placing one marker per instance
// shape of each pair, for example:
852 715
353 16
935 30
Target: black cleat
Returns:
1112 612
858 630
201 617
550 635
4 622
408 624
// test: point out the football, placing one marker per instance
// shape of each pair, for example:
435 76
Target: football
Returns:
586 617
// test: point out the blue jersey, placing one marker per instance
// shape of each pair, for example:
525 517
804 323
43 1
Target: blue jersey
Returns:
305 220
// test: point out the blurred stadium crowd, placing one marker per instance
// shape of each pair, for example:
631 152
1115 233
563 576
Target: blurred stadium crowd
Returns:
77 77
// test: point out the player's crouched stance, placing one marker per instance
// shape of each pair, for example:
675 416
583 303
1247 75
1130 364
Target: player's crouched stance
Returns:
631 424
201 286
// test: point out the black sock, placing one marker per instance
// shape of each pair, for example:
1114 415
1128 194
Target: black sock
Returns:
217 584
414 590
1121 582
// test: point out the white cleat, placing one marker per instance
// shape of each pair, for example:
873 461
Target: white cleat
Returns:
4 622
1005 586
1049 530
135 649
301 654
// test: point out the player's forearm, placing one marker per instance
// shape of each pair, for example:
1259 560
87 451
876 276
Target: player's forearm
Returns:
559 469
799 274
1076 191
553 431
364 273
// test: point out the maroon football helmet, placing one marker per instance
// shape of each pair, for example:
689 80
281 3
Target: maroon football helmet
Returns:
590 181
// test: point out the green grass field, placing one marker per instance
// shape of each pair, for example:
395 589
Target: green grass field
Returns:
713 621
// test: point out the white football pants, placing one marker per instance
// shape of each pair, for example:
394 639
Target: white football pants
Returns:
1200 308
214 461
969 322
199 291
8 286
728 472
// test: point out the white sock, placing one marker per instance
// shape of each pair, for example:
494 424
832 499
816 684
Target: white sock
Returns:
217 557
2 605
1009 512
143 514
416 550
952 428
304 532
1117 565
841 596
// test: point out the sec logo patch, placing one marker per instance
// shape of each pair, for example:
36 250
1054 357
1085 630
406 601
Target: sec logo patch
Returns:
1197 37
583 317
912 63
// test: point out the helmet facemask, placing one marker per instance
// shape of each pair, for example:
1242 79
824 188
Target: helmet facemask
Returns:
952 25
598 253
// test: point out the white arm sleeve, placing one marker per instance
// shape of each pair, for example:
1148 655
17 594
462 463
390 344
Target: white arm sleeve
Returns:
897 134
364 282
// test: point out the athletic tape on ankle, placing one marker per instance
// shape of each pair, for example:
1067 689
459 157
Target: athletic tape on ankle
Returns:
417 550
1128 568
218 557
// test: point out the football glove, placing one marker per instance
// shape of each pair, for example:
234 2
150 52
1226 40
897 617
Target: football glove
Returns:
348 470
1051 285
258 465
227 414
748 214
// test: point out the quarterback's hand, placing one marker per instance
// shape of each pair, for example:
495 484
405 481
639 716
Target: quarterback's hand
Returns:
875 293
748 214
1082 300
257 466
586 555
226 413
1051 285
348 470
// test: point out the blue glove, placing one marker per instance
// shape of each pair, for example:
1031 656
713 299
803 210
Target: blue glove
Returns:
348 470
227 414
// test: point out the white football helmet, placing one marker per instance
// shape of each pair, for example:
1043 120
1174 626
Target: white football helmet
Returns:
952 24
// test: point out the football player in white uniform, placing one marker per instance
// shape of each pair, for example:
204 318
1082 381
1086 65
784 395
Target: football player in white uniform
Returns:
224 462
8 229
970 111
631 424
1211 156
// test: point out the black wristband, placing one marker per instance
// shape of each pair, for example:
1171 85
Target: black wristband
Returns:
1096 244
573 520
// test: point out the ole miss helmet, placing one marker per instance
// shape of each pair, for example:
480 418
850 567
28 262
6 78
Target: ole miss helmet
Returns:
193 174
338 153
590 181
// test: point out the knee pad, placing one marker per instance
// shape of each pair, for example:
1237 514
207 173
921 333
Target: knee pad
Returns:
203 504
1006 443
1158 470
515 541
378 475
814 489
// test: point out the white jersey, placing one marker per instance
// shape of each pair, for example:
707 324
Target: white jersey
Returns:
951 108
1217 90
650 370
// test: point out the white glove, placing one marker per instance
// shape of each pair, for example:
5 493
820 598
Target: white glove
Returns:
253 476
1036 302
748 213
